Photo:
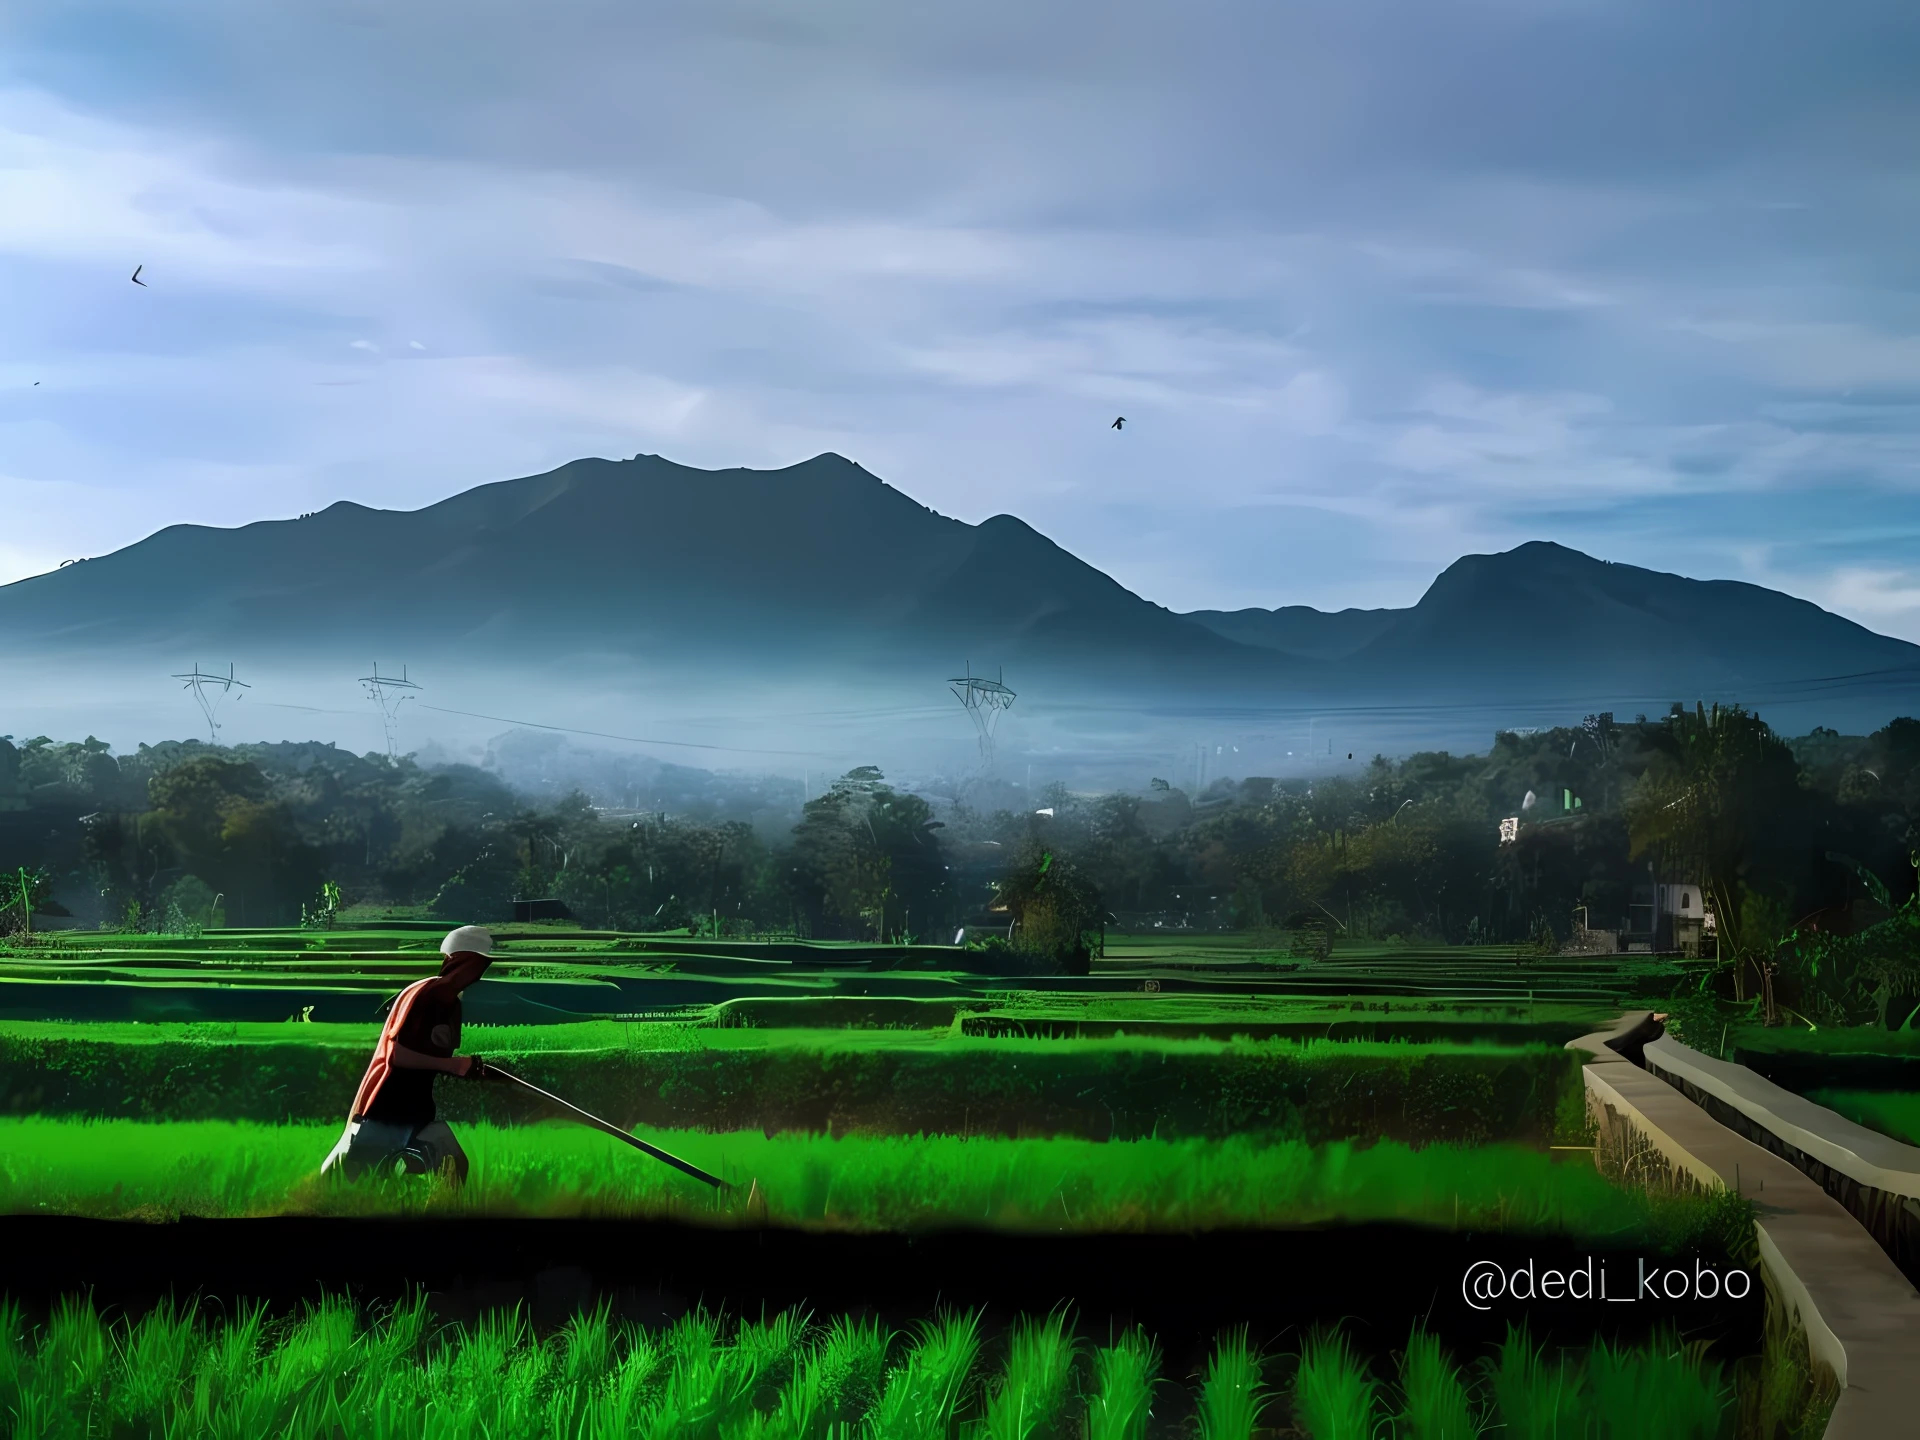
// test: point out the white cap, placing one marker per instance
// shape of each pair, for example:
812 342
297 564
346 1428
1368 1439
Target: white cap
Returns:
469 938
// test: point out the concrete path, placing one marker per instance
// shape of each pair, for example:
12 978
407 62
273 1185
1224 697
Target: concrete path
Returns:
1861 1315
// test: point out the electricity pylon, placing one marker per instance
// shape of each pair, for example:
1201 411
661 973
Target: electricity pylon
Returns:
390 694
201 683
984 699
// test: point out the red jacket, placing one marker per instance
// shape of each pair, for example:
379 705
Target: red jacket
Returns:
381 1066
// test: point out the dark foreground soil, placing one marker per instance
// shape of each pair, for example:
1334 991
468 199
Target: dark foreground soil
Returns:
1182 1288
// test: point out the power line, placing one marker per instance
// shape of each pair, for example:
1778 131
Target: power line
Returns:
630 739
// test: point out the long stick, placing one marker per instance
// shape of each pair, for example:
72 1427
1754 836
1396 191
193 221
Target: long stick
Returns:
684 1166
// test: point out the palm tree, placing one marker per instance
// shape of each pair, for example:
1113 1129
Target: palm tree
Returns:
1723 782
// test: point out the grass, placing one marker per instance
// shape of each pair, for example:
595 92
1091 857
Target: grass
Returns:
1893 1113
1798 1040
1034 1390
601 1037
1334 1396
332 1370
1536 1397
1666 1389
159 1171
1437 1403
1125 1376
687 1077
1233 1394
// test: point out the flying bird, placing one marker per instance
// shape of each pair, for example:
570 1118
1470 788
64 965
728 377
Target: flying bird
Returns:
1120 423
136 276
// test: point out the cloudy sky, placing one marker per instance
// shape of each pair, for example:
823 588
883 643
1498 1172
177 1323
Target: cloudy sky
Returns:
1375 284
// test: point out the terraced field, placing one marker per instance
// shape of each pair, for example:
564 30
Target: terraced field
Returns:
1210 985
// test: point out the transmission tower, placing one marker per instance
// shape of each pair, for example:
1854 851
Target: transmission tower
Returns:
984 699
209 690
390 694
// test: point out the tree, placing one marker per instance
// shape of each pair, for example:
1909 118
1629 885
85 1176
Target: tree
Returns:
20 892
1059 917
866 855
1715 803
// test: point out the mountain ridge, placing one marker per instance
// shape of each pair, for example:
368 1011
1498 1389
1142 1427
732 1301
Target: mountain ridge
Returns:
822 567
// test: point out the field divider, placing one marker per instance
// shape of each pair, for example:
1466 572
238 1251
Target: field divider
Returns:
1860 1313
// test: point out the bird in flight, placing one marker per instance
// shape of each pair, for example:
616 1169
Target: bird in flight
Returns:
1120 423
136 276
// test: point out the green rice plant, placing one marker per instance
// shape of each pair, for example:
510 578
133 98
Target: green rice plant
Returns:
1534 1399
13 1348
1783 1391
155 1360
126 1169
1034 1388
615 1406
1125 1375
77 1354
926 1396
1334 1395
1232 1394
710 1387
1667 1390
848 1368
328 1373
1435 1404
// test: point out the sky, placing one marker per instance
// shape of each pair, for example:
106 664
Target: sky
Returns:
1375 285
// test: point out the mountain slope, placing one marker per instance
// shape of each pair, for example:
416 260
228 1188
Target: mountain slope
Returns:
1543 620
1300 629
822 570
641 557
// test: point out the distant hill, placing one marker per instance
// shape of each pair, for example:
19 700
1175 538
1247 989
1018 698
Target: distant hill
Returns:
821 569
1544 620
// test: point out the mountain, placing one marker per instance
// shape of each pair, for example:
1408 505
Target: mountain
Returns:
1543 620
645 559
614 574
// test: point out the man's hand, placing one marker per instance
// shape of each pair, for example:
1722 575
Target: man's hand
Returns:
472 1067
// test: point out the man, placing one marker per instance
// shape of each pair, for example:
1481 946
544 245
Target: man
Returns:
392 1119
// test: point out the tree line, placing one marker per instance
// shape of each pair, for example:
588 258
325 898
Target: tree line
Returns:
1777 832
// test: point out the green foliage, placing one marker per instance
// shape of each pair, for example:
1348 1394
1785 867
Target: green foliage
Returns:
1722 801
931 1390
1435 1401
1233 1396
1334 1396
1782 1393
1125 1377
1398 848
1891 1112
1536 1399
22 891
866 857
678 1077
1030 1399
1667 1390
331 1370
1059 916
121 1169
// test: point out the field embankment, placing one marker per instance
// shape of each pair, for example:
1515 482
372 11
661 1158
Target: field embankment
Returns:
877 1082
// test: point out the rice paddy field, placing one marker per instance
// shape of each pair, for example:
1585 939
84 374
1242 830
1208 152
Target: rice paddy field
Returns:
333 1371
1237 1132
215 1169
1893 1113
